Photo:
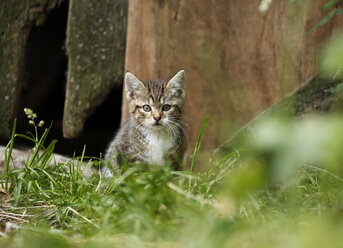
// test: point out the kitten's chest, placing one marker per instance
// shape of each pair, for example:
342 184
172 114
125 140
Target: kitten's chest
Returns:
158 145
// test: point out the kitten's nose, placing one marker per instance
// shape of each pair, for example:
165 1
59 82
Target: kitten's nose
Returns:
157 118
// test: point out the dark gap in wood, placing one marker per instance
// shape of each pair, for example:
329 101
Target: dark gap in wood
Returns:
45 68
44 86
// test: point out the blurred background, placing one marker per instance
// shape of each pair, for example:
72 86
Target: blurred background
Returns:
65 59
267 73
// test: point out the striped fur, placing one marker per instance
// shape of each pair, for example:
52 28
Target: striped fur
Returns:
152 134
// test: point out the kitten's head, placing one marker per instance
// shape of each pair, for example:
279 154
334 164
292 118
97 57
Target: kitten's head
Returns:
155 104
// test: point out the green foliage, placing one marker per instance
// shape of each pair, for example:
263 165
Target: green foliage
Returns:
330 4
335 11
331 58
284 188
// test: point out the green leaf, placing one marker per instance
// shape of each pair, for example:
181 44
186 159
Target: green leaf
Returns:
331 58
327 18
338 88
197 146
8 153
330 4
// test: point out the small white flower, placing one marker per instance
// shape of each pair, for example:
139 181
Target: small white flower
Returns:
28 111
41 123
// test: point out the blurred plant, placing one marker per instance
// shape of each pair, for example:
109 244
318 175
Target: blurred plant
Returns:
282 153
335 11
284 187
265 4
197 147
331 58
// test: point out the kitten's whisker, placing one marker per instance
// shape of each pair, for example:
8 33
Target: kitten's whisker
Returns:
142 125
179 128
177 131
170 131
177 119
171 128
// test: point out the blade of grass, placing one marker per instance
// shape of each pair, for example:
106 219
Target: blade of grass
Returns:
322 22
79 164
83 217
46 156
330 4
119 180
188 195
8 154
197 146
38 146
23 136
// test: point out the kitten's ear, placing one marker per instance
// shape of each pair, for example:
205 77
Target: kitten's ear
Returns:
178 81
132 85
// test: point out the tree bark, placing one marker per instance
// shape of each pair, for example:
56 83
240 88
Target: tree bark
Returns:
16 18
96 37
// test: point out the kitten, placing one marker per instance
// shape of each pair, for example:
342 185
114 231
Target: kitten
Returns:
154 132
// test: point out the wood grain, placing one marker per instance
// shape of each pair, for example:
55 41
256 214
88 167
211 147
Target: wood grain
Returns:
238 61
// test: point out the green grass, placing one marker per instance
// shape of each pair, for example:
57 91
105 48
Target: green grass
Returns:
242 201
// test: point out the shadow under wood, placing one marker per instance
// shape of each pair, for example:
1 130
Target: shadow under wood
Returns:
44 87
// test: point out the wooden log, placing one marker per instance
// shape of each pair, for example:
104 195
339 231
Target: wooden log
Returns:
16 19
96 35
318 96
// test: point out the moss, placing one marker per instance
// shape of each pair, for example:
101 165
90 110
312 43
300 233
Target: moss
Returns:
96 48
315 97
16 21
10 50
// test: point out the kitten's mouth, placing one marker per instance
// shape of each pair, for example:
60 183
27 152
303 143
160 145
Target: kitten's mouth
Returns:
157 125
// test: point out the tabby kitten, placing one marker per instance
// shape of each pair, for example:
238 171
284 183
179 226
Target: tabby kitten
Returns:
154 132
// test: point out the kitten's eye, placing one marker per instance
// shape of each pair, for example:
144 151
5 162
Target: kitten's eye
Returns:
166 107
146 108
